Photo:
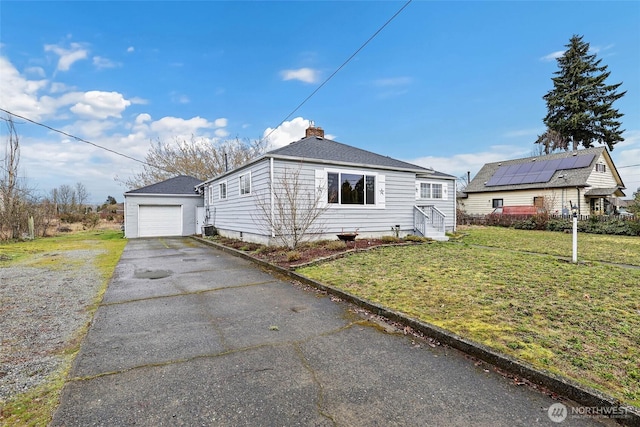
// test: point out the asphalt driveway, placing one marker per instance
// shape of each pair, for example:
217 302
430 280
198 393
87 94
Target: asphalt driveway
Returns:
188 335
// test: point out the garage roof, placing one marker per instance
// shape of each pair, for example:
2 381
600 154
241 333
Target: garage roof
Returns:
181 184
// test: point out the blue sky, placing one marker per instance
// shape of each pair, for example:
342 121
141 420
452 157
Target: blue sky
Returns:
449 85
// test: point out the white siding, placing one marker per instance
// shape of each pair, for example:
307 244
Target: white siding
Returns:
555 200
604 179
239 215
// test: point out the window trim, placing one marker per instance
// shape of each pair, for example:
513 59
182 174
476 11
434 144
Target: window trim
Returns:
377 196
430 184
240 187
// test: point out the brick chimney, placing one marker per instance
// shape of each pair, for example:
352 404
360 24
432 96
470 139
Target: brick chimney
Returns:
312 130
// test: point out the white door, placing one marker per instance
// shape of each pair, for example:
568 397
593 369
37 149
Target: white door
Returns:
158 220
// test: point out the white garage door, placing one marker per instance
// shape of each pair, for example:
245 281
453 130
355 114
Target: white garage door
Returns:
155 220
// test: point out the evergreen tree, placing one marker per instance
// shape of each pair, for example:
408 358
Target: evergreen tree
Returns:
580 105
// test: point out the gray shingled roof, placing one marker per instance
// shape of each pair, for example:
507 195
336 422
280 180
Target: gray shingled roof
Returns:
178 185
561 178
326 150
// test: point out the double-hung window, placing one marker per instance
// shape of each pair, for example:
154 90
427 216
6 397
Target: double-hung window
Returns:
222 190
245 184
430 190
351 188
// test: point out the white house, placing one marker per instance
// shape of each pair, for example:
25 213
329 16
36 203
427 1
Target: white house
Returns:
585 178
356 190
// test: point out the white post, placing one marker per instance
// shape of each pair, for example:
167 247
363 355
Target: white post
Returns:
575 238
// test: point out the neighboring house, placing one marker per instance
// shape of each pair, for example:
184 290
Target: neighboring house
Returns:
585 178
357 190
167 208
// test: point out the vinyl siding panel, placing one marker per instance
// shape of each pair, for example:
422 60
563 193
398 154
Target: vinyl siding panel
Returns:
599 179
242 214
555 199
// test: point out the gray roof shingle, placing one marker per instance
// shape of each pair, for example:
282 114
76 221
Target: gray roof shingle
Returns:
326 150
179 185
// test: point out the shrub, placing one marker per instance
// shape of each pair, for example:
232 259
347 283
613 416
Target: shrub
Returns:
390 239
90 221
293 256
336 245
417 239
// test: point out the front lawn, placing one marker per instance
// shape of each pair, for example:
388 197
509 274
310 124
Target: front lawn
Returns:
581 321
591 247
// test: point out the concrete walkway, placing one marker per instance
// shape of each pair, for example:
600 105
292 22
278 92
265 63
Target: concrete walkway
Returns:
188 335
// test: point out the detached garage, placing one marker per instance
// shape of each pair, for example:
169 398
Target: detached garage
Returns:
167 208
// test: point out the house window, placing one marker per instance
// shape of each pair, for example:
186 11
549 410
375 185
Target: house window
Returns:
245 184
210 188
351 188
425 190
601 167
538 202
222 188
497 203
430 191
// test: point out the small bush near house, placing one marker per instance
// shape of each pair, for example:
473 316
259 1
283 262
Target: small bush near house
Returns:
336 245
293 256
416 239
391 239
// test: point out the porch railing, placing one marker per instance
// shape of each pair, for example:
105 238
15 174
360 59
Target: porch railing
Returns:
428 217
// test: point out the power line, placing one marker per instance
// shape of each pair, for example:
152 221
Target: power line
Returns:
627 166
81 140
339 68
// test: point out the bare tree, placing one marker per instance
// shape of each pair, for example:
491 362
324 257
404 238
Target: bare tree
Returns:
9 191
291 209
82 197
199 158
65 199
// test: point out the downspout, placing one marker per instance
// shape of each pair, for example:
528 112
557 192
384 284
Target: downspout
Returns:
271 185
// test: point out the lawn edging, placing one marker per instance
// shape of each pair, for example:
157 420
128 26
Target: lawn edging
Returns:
583 395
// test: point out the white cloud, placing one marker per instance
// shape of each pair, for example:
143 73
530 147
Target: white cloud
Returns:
552 56
100 105
393 81
131 49
180 127
286 133
220 123
143 118
307 75
101 63
459 164
37 71
179 98
75 53
20 95
221 133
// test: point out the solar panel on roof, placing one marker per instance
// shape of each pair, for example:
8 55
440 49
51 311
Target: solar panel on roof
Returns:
584 161
536 171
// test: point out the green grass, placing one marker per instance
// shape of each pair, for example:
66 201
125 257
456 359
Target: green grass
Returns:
36 407
580 321
591 247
